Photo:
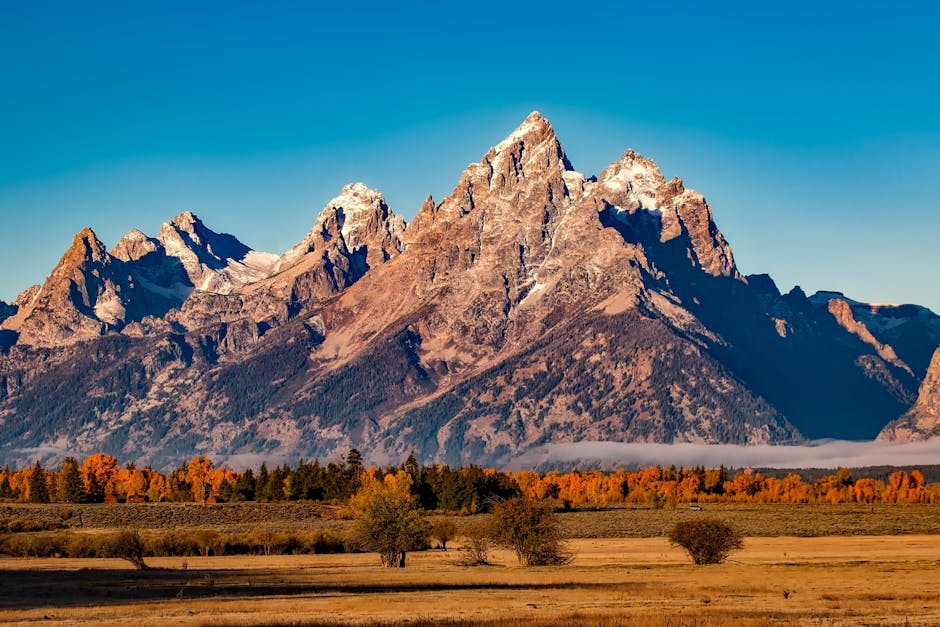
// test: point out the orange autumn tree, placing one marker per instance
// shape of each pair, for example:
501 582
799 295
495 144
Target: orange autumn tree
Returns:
98 472
198 473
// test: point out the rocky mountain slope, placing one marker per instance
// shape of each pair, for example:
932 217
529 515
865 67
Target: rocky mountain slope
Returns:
91 291
531 305
923 419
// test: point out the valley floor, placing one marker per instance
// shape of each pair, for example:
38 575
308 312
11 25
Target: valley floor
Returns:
841 580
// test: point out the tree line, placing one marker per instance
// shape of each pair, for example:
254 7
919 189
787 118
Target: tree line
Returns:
466 490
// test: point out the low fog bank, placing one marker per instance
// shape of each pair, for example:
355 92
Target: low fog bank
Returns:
819 454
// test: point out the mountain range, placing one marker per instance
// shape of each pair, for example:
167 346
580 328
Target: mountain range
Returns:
532 305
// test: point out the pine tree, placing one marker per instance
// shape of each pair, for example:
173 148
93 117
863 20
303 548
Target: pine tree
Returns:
38 488
261 483
354 459
6 492
411 465
244 489
70 487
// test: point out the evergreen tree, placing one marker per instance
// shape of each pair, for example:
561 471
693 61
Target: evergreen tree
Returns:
38 488
70 487
226 491
261 483
244 489
411 465
273 488
354 459
6 492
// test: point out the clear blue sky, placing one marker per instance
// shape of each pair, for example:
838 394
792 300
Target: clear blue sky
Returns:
812 128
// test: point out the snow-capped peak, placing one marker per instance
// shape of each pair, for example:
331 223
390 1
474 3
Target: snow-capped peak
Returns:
353 208
357 217
186 221
532 125
214 262
635 176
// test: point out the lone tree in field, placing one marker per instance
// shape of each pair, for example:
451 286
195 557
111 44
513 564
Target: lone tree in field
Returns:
531 529
387 519
708 541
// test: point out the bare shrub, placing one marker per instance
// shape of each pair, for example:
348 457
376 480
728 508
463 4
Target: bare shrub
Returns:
128 545
475 550
209 542
708 541
531 529
82 545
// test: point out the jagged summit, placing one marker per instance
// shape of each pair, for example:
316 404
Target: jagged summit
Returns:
214 262
531 149
134 245
535 134
357 221
361 214
85 247
187 221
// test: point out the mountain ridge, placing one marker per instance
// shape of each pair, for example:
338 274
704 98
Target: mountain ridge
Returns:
531 305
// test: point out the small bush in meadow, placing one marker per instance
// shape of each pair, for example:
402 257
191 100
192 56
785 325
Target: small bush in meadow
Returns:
708 541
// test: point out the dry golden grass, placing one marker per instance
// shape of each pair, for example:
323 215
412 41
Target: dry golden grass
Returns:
858 580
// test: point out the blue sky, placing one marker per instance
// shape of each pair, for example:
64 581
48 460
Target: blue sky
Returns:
812 130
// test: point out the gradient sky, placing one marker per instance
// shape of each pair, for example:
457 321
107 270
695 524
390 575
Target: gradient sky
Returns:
813 130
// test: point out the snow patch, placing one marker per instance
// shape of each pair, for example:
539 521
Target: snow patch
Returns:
109 308
530 124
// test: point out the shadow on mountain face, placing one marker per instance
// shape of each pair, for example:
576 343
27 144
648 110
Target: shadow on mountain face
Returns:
220 247
812 375
7 339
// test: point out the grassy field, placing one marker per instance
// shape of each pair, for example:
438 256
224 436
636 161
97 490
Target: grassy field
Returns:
801 565
844 580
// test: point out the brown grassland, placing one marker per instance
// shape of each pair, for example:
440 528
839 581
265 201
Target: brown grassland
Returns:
838 565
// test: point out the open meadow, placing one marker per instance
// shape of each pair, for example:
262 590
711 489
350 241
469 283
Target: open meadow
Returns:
846 580
839 565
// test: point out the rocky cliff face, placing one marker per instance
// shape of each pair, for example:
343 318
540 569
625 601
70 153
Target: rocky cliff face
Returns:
923 419
79 300
355 233
92 291
531 305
